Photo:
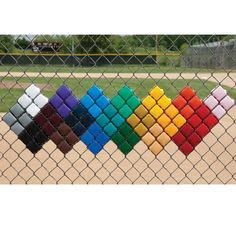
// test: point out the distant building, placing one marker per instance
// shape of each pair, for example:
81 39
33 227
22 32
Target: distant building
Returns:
45 46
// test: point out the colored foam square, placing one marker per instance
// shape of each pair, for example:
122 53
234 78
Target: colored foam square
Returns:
148 102
156 93
9 119
95 92
71 138
79 129
17 110
32 128
25 120
102 102
156 130
56 137
64 111
125 111
141 111
141 129
86 120
40 119
155 148
156 111
187 111
202 130
41 100
194 139
133 120
172 111
171 129
71 101
164 102
211 102
179 102
163 139
25 137
71 120
179 120
133 102
194 120
118 139
117 120
102 120
33 110
186 148
87 138
17 128
133 139
219 93
48 128
87 101
179 138
64 129
64 91
110 129
148 139
203 111
24 101
64 147
95 111
125 92
33 147
187 93
48 110
219 111
79 110
186 130
40 138
227 102
125 129
55 120
95 129
125 147
163 120
211 121
95 147
117 102
148 121
195 102
110 111
32 91
102 138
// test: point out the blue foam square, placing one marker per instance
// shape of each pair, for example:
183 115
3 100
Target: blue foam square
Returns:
71 120
87 101
110 129
95 92
103 102
102 138
79 129
80 110
86 120
117 120
95 147
64 91
95 111
95 129
87 138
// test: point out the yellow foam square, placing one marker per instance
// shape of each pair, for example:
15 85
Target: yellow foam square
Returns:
171 129
156 129
179 120
172 111
164 102
141 129
156 111
155 148
163 120
157 92
141 111
148 121
163 139
148 138
133 120
148 102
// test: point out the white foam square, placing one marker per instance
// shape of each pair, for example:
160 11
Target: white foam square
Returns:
32 110
219 111
41 100
24 100
219 93
211 102
32 91
227 102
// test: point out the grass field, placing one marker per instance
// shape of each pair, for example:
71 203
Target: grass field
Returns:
110 87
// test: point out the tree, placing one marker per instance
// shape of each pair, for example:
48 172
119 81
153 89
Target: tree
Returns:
6 43
22 43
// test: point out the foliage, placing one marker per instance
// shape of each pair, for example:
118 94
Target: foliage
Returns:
6 43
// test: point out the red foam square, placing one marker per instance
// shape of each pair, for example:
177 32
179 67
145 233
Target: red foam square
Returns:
186 148
211 121
178 138
202 130
195 102
194 120
187 92
186 130
203 111
187 111
179 102
194 139
48 128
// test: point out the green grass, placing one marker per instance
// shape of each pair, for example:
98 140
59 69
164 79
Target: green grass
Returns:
110 87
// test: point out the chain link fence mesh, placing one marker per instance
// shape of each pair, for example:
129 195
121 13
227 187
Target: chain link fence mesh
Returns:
112 61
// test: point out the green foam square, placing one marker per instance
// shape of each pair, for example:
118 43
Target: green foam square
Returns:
102 120
133 139
133 102
125 92
125 147
110 111
118 120
125 111
110 129
117 102
125 129
118 139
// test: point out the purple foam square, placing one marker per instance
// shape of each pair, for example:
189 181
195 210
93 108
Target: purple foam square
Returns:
64 91
71 101
56 101
64 111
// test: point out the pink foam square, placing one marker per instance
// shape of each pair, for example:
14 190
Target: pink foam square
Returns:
219 93
227 102
219 111
211 102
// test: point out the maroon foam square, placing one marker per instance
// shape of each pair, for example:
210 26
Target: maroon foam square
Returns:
186 148
48 110
56 119
194 139
194 120
187 92
72 138
203 111
64 147
40 119
202 130
179 138
48 128
186 130
56 137
211 121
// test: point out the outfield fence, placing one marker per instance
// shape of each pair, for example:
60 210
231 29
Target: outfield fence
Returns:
138 118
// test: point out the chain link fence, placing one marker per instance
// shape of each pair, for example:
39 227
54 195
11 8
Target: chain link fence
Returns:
117 109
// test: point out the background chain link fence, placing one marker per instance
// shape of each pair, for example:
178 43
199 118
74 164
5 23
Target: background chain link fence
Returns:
112 61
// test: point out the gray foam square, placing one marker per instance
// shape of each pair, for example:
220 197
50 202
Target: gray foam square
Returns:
9 119
17 128
25 120
17 110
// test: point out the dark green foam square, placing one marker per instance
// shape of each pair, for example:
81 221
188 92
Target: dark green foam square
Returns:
125 92
133 102
133 139
117 102
125 129
110 111
125 111
125 147
102 120
118 139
